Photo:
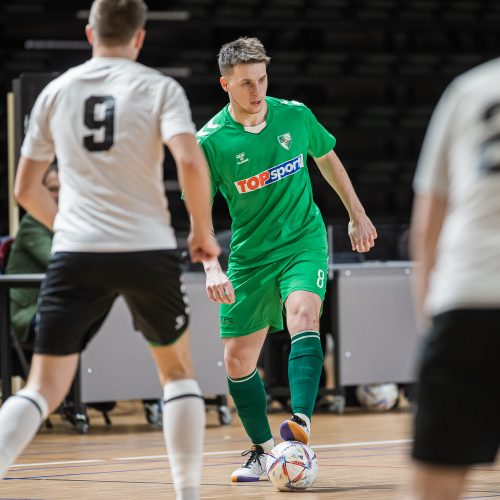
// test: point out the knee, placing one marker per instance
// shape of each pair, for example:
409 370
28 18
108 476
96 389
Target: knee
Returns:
302 317
236 364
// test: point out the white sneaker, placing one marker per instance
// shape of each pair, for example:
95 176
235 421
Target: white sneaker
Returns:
254 468
295 429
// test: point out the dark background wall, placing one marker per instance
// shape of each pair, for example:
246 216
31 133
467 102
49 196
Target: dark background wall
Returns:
371 70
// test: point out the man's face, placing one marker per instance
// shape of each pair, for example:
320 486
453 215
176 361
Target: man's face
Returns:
246 85
52 185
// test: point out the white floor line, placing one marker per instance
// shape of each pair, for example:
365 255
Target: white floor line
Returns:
363 443
67 462
220 453
146 457
320 446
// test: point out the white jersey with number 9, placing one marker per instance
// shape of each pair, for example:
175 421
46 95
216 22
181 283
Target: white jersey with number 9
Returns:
106 122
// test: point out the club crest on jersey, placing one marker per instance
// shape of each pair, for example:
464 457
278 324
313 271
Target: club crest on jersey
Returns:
285 140
270 176
240 158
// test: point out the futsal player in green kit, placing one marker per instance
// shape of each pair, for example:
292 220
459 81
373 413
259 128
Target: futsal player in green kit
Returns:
257 148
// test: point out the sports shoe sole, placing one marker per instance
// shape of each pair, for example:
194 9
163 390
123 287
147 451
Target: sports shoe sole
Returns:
291 431
243 479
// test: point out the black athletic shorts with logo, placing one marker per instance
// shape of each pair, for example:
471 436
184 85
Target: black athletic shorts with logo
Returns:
458 404
80 288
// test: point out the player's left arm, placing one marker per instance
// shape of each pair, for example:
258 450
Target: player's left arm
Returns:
30 192
361 230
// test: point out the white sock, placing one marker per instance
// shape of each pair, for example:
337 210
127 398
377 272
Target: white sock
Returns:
306 419
184 428
20 418
268 445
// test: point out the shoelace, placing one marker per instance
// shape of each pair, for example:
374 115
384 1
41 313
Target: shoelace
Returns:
254 456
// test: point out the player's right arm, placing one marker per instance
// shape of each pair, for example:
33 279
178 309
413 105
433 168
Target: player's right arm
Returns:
37 153
219 287
177 132
428 214
30 192
192 171
431 185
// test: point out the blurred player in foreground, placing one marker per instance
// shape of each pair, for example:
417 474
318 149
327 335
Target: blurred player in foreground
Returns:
107 120
455 238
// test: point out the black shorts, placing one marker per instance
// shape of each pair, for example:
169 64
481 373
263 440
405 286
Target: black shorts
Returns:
80 288
458 403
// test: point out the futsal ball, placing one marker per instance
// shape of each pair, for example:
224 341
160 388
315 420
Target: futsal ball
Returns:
292 465
378 397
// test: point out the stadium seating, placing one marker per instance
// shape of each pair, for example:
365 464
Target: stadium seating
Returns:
372 70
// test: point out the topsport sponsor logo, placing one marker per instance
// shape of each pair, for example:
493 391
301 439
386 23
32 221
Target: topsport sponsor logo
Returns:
271 175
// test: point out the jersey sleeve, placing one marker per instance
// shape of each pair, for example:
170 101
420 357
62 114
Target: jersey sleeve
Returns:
432 167
175 113
320 140
38 143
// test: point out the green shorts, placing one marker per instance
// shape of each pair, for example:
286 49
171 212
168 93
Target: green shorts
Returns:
261 291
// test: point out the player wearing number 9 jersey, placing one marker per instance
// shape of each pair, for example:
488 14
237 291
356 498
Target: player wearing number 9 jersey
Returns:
110 117
257 150
107 121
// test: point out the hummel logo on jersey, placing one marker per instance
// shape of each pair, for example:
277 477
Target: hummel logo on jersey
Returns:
271 175
285 140
240 157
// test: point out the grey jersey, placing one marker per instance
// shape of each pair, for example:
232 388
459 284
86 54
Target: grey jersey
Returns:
106 121
460 159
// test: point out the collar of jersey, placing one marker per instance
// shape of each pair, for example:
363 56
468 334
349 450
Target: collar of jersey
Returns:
241 127
107 60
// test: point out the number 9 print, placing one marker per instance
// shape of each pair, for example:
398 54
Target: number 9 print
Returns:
105 125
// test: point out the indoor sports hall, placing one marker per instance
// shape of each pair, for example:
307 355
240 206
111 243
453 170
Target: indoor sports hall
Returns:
351 373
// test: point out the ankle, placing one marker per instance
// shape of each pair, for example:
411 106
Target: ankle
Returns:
267 446
305 418
191 493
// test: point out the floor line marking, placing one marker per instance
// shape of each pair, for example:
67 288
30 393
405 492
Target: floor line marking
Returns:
67 462
317 447
217 453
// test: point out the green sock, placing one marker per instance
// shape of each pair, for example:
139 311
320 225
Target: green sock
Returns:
250 399
304 370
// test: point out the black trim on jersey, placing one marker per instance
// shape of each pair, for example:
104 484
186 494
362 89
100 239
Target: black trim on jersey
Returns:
182 396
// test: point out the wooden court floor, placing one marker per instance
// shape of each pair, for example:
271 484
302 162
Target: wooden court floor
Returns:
361 456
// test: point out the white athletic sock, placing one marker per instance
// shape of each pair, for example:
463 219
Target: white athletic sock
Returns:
305 418
184 428
20 418
268 445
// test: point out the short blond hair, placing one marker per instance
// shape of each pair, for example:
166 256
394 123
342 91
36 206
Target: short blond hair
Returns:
116 21
244 50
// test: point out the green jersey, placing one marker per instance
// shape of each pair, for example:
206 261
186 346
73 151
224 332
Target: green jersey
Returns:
265 181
